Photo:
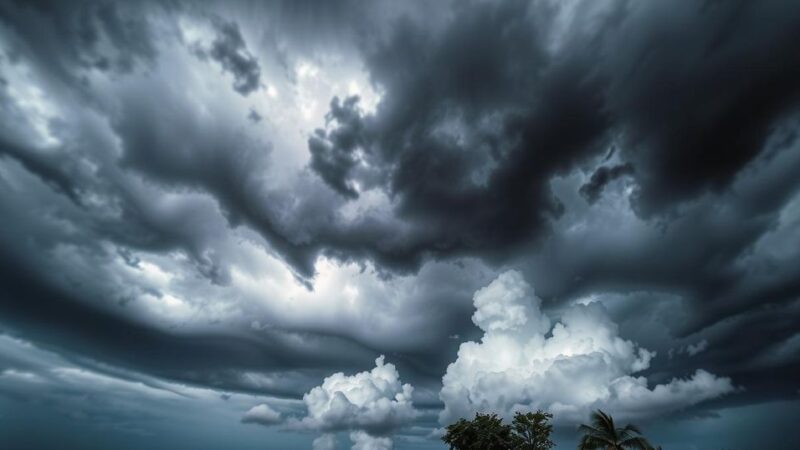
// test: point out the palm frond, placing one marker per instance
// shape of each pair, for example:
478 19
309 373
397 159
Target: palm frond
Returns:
634 428
589 442
588 429
637 443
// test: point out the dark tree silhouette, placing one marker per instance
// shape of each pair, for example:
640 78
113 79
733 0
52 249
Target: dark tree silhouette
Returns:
484 432
602 434
528 431
532 431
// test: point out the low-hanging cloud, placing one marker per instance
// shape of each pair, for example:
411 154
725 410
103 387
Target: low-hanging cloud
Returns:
262 414
580 363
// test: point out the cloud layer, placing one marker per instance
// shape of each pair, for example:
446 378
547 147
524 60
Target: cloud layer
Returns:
248 197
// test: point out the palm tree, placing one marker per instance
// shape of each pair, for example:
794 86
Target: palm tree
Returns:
603 435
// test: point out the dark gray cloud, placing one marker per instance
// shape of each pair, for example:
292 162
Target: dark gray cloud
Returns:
699 104
592 189
472 123
466 131
107 36
333 154
230 50
254 116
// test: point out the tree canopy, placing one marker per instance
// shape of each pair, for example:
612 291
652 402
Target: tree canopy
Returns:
528 431
532 431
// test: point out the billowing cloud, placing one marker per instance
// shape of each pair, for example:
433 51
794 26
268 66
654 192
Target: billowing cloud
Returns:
578 364
372 404
262 414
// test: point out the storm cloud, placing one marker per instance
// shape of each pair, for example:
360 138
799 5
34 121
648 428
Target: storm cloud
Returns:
243 200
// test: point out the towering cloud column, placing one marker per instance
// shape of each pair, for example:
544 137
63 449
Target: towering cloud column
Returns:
523 362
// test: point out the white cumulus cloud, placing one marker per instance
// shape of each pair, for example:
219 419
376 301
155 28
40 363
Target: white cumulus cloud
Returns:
262 414
365 441
371 404
578 364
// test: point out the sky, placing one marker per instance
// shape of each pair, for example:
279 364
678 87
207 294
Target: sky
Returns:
346 224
